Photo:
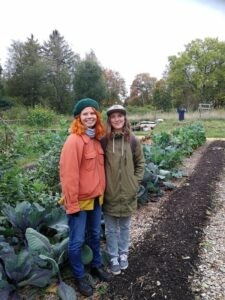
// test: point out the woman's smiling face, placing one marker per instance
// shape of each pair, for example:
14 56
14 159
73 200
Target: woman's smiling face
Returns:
88 117
117 120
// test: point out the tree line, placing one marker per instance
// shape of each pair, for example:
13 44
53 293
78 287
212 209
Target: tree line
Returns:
53 75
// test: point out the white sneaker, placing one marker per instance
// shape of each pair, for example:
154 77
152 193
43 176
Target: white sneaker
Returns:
123 262
115 266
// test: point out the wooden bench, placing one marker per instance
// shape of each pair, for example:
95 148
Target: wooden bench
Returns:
204 107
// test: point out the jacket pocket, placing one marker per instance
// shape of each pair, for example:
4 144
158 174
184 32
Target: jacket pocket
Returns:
132 185
90 160
136 184
101 156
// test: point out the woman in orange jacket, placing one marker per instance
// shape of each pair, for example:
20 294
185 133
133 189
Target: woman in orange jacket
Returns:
82 178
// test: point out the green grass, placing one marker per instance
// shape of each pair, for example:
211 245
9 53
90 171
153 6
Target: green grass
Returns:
213 122
214 128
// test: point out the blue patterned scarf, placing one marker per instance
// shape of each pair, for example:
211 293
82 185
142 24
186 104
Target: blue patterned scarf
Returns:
90 132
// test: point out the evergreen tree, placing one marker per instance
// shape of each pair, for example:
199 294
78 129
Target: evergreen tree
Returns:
25 72
89 81
61 63
1 82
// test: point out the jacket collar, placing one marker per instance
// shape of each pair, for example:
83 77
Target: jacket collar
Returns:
85 138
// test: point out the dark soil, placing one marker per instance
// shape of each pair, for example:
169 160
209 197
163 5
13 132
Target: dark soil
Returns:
161 265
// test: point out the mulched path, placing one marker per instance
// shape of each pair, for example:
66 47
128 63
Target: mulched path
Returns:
162 263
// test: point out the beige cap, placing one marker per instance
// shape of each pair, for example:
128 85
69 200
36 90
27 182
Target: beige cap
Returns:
116 108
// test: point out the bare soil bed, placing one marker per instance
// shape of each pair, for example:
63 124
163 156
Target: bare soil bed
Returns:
164 257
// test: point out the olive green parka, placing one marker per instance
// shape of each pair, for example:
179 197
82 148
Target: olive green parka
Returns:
124 171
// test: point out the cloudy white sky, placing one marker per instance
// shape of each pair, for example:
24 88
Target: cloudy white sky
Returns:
128 36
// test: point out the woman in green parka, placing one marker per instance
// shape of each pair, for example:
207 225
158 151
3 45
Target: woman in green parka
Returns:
124 167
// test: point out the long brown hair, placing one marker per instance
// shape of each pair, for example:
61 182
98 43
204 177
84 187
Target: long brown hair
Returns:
126 130
78 128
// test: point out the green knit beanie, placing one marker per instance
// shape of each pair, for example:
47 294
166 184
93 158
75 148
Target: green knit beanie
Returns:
83 103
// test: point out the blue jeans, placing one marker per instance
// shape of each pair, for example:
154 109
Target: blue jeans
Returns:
84 227
117 231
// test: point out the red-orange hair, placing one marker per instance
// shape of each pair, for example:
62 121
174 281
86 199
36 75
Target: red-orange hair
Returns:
78 128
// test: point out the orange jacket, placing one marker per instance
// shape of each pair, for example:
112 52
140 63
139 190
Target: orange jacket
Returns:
82 174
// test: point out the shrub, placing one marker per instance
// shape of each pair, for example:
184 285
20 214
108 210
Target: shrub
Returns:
16 112
5 104
40 116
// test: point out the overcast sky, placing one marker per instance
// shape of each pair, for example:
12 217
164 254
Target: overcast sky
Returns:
128 36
